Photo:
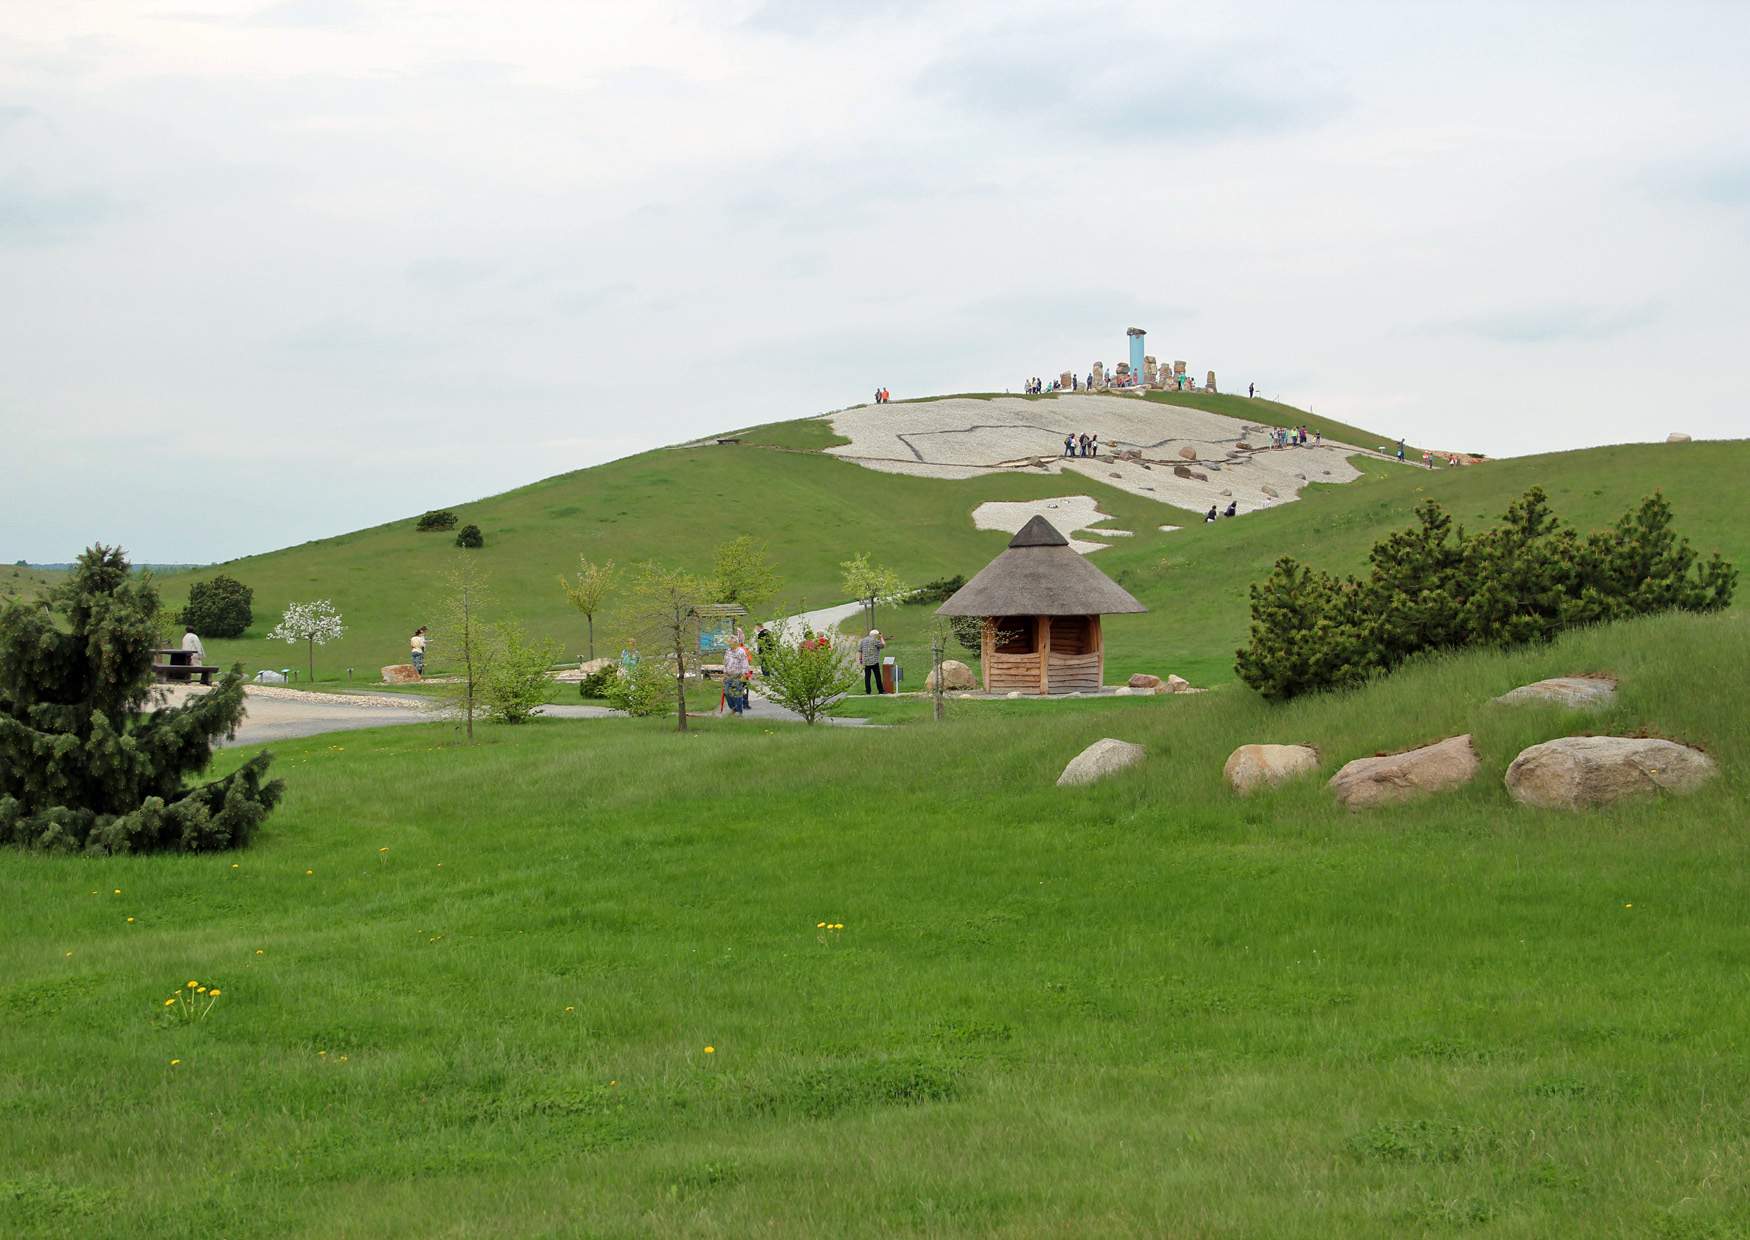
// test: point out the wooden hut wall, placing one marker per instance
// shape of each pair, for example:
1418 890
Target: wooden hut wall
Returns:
1075 660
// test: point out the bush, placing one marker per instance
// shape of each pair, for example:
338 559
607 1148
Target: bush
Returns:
470 536
1525 580
810 677
599 683
938 591
436 519
513 682
222 607
640 690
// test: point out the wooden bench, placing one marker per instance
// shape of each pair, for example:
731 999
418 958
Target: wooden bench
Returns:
179 667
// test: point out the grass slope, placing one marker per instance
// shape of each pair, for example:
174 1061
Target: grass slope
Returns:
1140 1008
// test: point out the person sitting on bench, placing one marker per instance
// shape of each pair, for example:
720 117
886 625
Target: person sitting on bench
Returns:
191 641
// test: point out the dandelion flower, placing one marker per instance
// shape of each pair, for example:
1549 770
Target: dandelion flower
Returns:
192 984
820 925
1628 906
571 1009
214 993
383 849
259 952
174 1062
324 1054
130 921
170 1002
118 891
343 1059
710 1050
234 865
307 873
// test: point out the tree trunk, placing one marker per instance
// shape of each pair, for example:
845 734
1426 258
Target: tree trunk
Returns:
590 620
936 661
310 648
680 683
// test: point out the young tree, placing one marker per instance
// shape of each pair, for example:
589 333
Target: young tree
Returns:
83 765
222 607
870 584
743 573
587 590
810 676
315 624
514 683
463 628
665 603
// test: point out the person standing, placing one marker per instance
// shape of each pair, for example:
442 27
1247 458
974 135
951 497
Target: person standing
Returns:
416 653
762 644
1069 445
1400 449
1251 390
1094 445
869 650
736 670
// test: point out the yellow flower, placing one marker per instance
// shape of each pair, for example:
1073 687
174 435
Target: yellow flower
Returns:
324 1053
259 952
174 1062
820 925
130 921
385 848
214 993
1628 906
613 1082
571 1009
170 1002
710 1050
118 891
307 873
343 1059
234 865
192 983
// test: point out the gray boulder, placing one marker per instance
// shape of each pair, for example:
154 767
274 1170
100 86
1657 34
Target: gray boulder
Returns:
955 675
1579 692
1258 766
1579 772
1102 758
1391 778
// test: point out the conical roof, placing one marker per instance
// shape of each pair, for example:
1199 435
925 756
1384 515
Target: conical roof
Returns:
1040 576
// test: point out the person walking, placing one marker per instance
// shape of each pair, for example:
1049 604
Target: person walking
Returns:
1400 449
762 644
737 669
1069 445
416 653
869 650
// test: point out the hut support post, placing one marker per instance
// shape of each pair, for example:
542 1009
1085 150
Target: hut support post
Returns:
1099 643
1043 645
986 647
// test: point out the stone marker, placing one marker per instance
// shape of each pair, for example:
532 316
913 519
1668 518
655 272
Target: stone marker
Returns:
1102 758
1677 437
1178 368
1142 680
1255 766
1209 385
1580 692
400 674
1367 782
1579 772
955 675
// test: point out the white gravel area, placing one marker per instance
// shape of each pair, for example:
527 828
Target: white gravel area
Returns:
1065 512
963 438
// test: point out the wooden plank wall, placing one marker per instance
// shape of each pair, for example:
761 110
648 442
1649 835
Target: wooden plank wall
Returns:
1005 672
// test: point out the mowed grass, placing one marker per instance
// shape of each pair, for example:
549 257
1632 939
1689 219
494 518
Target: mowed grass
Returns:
1145 1007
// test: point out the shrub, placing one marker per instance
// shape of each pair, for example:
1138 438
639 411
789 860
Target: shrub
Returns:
222 607
513 683
436 519
1525 580
640 690
811 676
84 767
938 591
470 536
599 683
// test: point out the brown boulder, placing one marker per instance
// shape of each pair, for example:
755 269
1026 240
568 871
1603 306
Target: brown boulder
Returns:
1255 766
1579 772
1188 453
1384 780
1142 680
955 675
400 674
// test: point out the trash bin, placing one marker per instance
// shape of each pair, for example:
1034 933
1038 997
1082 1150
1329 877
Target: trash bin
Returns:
890 674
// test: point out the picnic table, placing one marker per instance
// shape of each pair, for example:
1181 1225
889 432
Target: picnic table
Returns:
178 667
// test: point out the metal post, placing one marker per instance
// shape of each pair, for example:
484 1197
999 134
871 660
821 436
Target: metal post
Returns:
936 665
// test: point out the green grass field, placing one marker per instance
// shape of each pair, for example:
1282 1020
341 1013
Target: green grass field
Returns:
1140 1008
815 511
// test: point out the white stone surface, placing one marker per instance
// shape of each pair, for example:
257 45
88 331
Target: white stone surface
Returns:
1065 512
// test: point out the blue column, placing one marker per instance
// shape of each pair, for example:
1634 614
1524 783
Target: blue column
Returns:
1136 346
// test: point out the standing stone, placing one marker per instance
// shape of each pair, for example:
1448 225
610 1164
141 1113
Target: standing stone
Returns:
1065 381
1178 368
1102 758
1256 766
1209 386
1099 373
955 675
1367 782
1580 772
1149 370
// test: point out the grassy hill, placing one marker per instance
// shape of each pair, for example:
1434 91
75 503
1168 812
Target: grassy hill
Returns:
815 511
470 990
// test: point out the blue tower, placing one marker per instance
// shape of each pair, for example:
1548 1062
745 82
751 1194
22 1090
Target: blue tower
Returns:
1136 334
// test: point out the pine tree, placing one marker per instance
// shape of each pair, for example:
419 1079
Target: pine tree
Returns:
84 766
1304 634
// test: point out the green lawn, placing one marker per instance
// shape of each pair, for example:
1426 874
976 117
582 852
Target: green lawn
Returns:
1141 1008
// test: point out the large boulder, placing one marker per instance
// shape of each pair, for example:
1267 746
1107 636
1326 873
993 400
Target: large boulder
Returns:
1389 778
1578 772
1579 692
955 675
1255 766
1142 680
1175 684
1102 758
400 674
1677 437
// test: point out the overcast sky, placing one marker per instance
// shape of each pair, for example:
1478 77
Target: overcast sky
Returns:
270 271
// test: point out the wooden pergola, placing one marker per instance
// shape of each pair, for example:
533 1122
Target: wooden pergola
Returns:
1041 605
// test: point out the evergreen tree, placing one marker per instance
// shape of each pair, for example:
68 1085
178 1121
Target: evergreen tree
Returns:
1304 634
83 765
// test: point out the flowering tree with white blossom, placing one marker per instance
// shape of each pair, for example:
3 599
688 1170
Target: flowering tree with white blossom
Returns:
314 624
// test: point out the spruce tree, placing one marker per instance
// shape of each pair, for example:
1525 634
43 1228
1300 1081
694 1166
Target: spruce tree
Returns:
84 765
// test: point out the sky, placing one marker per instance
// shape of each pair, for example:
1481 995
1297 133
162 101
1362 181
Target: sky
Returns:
271 271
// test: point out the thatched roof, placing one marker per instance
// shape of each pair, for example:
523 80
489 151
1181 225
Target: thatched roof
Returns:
1040 576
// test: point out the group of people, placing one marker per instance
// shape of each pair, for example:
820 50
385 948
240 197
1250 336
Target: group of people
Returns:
1291 436
1081 445
882 396
1038 387
1233 510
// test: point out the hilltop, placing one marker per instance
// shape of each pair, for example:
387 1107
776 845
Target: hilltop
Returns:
784 484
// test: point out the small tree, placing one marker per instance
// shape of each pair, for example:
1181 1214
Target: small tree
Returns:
84 767
222 607
743 573
587 590
463 627
665 603
315 624
810 676
514 684
469 536
437 519
870 584
637 689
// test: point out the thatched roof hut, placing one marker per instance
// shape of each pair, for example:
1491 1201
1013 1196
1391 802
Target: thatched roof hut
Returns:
1041 604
